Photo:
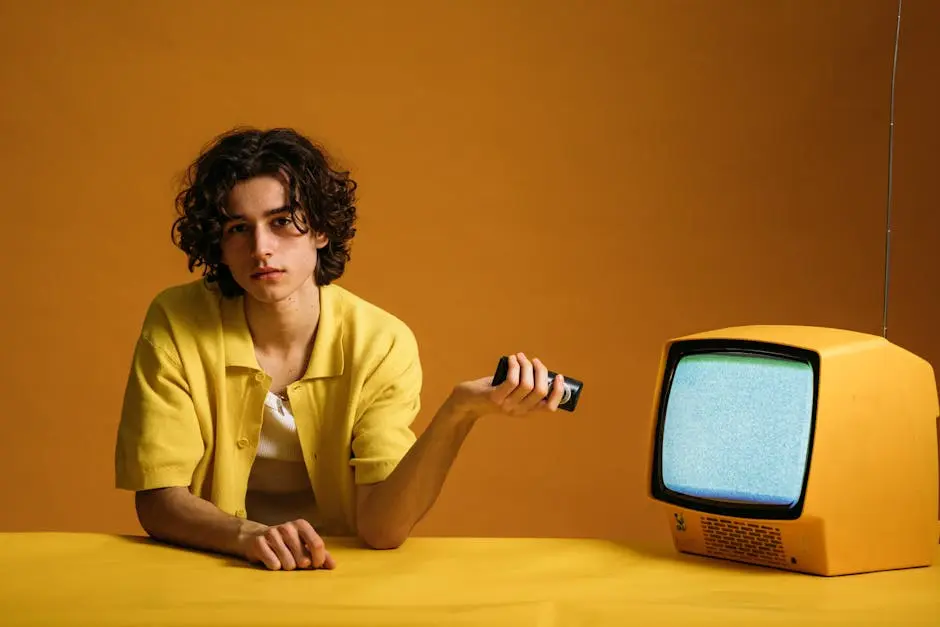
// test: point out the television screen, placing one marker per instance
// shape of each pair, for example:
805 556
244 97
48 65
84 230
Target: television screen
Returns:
736 428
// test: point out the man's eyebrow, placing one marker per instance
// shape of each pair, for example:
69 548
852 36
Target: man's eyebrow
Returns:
269 212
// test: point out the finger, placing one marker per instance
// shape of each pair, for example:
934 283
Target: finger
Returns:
265 554
276 542
512 380
313 542
526 382
329 563
540 389
558 393
291 538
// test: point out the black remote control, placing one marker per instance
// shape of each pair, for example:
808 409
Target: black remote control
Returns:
572 386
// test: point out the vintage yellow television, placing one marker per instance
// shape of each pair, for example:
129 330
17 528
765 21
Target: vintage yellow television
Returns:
802 448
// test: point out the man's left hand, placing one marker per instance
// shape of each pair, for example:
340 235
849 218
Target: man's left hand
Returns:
525 390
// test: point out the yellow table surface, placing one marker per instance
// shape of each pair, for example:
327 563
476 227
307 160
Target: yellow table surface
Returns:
102 580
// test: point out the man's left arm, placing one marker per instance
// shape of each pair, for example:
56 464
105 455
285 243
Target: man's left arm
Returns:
387 511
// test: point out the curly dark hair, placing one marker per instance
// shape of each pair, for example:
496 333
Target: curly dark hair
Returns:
321 197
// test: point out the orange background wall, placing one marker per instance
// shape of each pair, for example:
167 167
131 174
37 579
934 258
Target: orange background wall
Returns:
578 182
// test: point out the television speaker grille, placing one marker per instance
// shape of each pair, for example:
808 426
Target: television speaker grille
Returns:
747 542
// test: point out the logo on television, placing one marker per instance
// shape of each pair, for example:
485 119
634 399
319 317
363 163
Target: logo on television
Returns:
680 521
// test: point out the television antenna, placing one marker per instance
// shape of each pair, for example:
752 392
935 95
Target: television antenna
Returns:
887 268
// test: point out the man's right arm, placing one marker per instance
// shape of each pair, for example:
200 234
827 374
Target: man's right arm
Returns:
176 516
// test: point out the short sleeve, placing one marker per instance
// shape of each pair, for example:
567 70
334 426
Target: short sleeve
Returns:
159 442
382 435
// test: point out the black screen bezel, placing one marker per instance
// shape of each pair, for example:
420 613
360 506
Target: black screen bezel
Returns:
683 348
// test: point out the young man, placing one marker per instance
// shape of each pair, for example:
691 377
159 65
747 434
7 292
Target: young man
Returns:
267 406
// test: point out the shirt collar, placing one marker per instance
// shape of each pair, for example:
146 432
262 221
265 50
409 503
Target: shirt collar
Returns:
326 359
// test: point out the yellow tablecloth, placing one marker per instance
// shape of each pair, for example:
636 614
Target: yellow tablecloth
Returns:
103 580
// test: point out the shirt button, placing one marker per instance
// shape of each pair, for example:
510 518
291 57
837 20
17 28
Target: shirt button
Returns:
259 377
240 513
242 442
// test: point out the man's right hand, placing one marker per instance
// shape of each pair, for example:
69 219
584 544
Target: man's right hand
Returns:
287 546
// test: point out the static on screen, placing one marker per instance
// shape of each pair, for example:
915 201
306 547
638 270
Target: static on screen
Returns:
737 428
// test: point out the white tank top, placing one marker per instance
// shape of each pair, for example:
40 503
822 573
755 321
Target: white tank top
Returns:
279 463
279 432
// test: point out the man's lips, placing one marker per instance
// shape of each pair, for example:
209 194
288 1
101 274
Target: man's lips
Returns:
266 272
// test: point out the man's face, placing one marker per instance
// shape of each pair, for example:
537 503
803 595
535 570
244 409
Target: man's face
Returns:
267 255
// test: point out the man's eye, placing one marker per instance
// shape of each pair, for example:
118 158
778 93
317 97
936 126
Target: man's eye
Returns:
282 221
236 228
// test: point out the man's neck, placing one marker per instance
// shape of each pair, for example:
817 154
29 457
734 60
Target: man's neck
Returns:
287 326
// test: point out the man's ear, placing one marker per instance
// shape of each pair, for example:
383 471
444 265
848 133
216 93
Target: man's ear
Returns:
320 240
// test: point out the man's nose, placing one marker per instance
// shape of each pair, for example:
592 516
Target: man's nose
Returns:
264 243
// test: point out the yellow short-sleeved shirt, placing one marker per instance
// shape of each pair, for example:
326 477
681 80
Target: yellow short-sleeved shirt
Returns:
194 401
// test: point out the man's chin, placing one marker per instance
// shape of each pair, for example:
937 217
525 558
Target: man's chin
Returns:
269 293
274 290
